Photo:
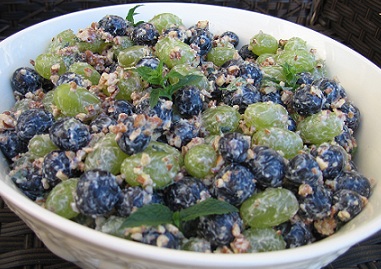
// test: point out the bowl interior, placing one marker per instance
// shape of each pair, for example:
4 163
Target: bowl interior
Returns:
358 76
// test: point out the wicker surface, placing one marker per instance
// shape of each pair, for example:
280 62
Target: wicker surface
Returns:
356 23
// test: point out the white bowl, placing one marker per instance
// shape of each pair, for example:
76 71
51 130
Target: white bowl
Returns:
91 249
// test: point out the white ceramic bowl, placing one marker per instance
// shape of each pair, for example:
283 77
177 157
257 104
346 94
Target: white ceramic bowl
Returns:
91 249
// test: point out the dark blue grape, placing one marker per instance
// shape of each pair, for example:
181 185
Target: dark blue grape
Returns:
56 167
291 124
201 41
135 139
101 123
354 181
119 107
352 115
132 198
242 96
145 34
148 61
303 169
347 140
163 110
188 102
304 78
181 133
274 97
250 70
231 37
113 24
29 181
11 145
268 167
331 159
331 89
308 100
69 134
162 236
97 193
24 80
32 122
234 183
317 204
176 32
296 233
218 229
184 193
233 147
347 204
247 54
71 77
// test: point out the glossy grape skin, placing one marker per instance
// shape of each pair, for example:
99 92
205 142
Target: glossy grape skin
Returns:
44 63
317 204
165 20
263 43
113 24
181 133
97 193
288 142
308 100
85 70
106 155
11 145
69 134
300 60
220 55
234 183
188 102
24 80
32 122
29 181
242 96
145 34
62 40
72 100
233 147
354 181
352 115
199 160
61 197
131 199
120 107
221 119
230 37
129 82
331 89
347 140
320 127
167 47
263 115
130 56
296 233
201 41
268 167
264 240
295 43
246 54
269 208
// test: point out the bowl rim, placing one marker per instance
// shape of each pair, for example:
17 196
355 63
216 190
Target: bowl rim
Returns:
140 250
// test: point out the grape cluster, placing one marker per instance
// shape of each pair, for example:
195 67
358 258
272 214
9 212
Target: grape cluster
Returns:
261 128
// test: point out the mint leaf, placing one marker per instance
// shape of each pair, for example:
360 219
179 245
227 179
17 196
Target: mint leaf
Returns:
131 14
186 80
207 207
290 74
152 214
154 97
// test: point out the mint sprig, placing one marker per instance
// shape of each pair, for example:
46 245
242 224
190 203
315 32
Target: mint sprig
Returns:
290 74
156 214
161 82
131 14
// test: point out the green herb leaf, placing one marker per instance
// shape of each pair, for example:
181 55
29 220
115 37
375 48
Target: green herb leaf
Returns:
190 79
154 97
290 73
152 214
131 14
207 207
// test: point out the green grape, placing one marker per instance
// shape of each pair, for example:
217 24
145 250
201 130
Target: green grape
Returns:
273 73
197 244
96 45
64 39
265 59
106 155
269 208
123 42
61 197
263 43
280 139
87 71
47 101
299 60
220 119
130 56
172 52
264 239
40 145
199 160
129 82
185 69
220 55
22 105
295 43
154 166
73 101
165 20
48 64
113 226
265 115
320 127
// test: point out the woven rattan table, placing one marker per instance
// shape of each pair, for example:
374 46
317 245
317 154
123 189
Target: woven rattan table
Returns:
356 23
